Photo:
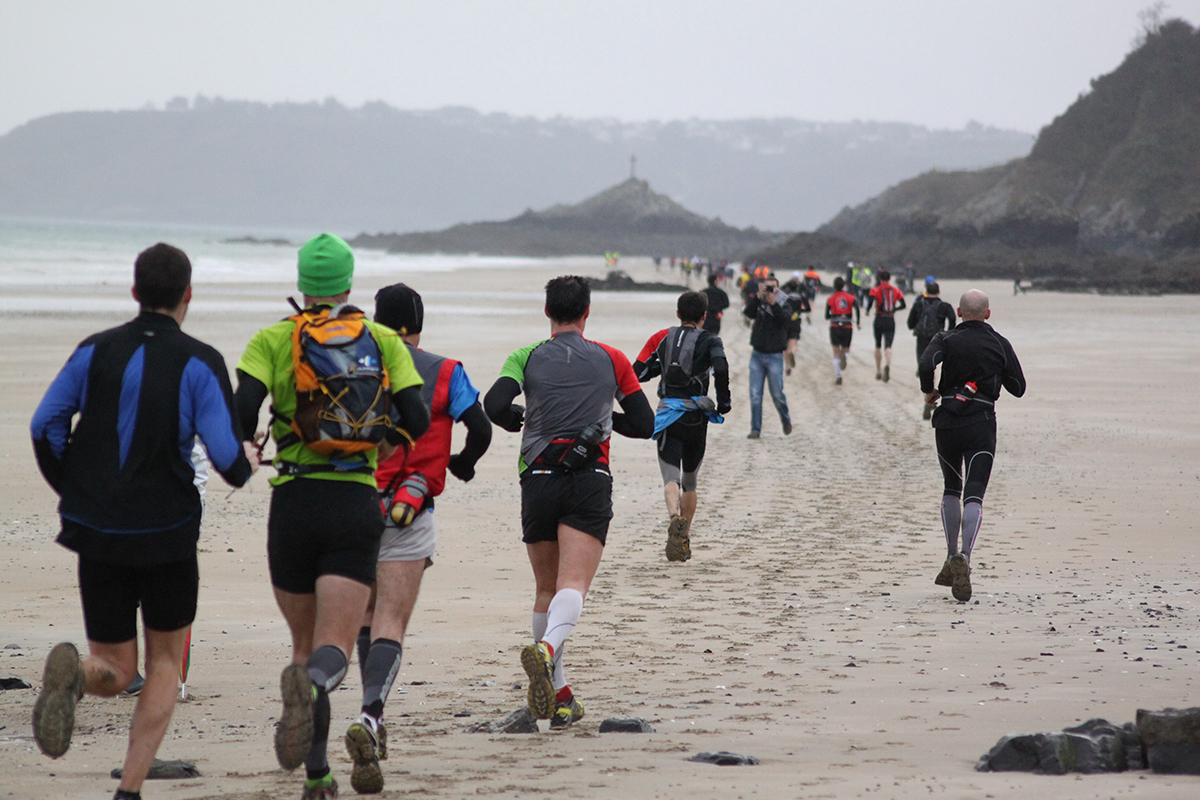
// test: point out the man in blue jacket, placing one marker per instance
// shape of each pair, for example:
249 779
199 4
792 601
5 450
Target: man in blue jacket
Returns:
143 392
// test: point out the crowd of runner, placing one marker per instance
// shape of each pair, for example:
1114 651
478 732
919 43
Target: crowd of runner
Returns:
361 420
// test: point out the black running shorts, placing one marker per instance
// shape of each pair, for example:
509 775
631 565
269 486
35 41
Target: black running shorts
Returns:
839 336
111 594
582 500
321 527
885 331
684 441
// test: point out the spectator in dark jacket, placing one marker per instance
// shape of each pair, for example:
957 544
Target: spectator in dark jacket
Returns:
768 341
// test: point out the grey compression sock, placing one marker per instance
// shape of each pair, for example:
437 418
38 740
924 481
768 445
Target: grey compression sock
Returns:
951 519
363 644
383 665
972 518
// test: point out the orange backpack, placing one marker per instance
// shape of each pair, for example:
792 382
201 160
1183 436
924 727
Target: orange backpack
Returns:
343 394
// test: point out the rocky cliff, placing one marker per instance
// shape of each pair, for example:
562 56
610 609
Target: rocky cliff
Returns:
1109 194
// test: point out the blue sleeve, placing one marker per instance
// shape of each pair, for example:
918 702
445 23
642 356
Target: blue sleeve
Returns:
462 394
64 398
204 410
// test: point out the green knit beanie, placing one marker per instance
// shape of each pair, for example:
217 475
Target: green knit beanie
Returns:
326 266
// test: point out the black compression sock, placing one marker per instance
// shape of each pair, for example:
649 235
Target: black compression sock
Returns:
363 644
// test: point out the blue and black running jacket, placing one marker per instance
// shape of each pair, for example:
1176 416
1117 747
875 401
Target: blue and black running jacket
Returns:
143 392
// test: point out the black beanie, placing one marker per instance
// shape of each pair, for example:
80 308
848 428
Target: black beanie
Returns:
400 308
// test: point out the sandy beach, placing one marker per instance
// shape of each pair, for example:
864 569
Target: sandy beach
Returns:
806 630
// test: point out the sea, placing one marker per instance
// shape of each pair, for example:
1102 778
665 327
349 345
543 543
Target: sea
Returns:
64 266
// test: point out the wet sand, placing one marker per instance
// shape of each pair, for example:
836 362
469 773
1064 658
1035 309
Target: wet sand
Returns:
806 629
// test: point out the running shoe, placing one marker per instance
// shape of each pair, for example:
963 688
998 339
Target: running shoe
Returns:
679 544
381 739
363 746
945 577
54 710
135 687
887 373
878 376
566 714
539 666
838 382
787 428
294 735
960 571
323 789
752 435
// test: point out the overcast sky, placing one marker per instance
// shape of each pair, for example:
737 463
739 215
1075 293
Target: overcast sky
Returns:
940 63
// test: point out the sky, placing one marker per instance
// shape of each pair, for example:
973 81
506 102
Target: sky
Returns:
940 63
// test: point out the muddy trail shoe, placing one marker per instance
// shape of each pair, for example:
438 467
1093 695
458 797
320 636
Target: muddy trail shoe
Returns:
566 715
381 739
135 688
679 544
293 737
539 666
54 710
324 789
838 382
887 373
878 376
960 571
945 577
361 744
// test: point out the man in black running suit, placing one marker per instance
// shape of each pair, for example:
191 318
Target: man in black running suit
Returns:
976 362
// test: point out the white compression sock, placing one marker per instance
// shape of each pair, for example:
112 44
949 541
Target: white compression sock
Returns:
837 367
972 518
564 612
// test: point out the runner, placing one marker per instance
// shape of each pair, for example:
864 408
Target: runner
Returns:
976 362
769 336
325 524
887 300
930 314
684 357
718 301
795 302
838 310
408 484
129 505
566 488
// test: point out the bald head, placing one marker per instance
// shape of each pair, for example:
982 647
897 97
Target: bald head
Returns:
973 305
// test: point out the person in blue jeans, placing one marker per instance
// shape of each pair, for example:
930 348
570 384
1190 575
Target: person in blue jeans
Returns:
768 341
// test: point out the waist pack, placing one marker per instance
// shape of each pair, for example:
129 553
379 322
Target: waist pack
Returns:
343 395
575 453
963 401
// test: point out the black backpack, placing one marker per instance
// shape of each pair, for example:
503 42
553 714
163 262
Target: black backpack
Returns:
678 357
928 323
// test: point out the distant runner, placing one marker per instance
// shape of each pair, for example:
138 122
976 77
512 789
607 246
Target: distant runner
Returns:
718 301
684 356
841 310
566 488
930 315
887 300
976 362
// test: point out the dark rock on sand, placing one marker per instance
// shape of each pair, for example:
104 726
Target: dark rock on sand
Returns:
1094 746
1172 739
617 281
625 725
166 770
519 721
723 758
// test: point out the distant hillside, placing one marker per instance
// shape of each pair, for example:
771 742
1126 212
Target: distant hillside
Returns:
1108 197
379 168
630 218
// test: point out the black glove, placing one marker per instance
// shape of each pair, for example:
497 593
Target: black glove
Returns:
462 468
724 407
516 418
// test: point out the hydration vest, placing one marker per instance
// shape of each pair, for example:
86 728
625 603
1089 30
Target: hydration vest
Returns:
678 359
